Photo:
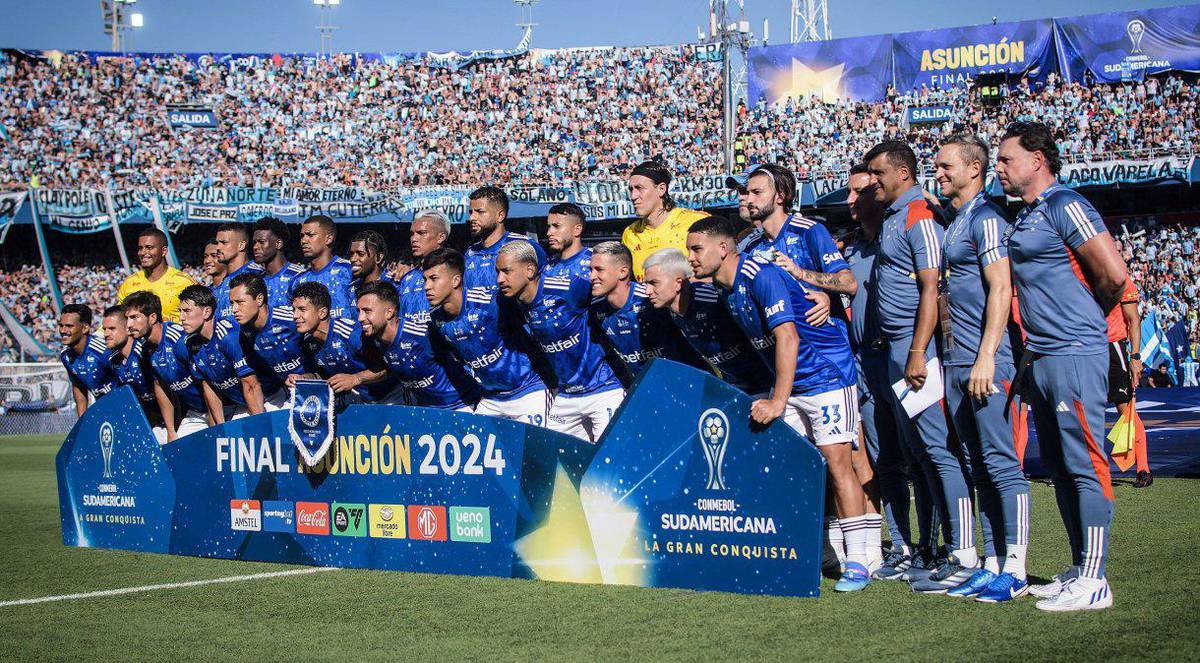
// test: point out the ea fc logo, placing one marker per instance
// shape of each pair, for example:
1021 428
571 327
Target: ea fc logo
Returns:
106 447
427 522
714 438
310 411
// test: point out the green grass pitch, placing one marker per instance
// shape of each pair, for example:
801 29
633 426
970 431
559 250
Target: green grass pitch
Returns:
386 615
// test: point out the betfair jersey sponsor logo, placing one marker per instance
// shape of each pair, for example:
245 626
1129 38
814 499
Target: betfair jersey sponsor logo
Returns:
386 521
349 519
278 517
470 524
427 523
718 523
245 515
312 518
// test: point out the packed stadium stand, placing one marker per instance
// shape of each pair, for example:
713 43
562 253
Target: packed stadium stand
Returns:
817 138
543 117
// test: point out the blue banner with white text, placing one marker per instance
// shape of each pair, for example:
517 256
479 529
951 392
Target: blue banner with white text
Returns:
942 59
681 491
1126 46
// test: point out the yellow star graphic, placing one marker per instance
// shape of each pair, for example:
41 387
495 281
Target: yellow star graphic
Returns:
802 81
561 549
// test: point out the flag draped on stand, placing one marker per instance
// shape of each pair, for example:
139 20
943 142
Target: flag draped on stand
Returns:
1156 348
1177 342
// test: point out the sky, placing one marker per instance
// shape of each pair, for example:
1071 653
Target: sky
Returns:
408 25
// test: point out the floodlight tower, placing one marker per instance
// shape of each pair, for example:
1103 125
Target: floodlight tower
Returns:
326 26
526 23
810 20
734 36
118 20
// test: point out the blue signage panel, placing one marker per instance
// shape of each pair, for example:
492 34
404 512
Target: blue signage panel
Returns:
680 492
920 114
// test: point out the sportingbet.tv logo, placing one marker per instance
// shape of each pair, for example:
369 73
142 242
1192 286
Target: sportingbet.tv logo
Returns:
714 438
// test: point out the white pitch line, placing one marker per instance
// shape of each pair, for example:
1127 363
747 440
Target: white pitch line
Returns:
173 585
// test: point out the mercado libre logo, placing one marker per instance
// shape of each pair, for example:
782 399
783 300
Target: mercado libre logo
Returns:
312 518
386 521
349 519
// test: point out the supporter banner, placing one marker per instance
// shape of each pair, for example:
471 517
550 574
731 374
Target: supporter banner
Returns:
211 213
89 223
1126 46
857 69
922 114
10 206
1126 171
952 57
192 117
679 492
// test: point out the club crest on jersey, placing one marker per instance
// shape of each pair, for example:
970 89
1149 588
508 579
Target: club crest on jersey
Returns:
310 422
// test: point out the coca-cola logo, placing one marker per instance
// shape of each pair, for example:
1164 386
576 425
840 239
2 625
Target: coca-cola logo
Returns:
312 518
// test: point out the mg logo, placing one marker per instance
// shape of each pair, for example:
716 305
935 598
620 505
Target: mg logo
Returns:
427 522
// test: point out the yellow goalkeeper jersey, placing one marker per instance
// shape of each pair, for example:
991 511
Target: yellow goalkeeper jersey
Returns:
642 240
167 287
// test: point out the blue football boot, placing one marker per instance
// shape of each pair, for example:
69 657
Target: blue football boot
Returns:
854 578
975 584
1005 587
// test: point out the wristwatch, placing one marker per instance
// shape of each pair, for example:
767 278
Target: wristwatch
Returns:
1137 356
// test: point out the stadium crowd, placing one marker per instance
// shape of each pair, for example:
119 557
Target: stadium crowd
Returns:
547 116
820 138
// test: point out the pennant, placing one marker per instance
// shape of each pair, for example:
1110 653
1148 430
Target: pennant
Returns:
310 422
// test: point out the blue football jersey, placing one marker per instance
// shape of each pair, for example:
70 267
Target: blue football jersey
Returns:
973 241
638 332
1058 311
762 297
579 265
221 292
135 371
279 284
807 242
558 320
481 262
343 351
171 364
219 361
337 277
494 352
275 351
91 370
357 284
910 241
412 358
716 336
